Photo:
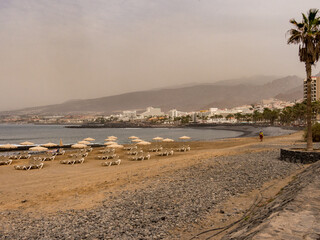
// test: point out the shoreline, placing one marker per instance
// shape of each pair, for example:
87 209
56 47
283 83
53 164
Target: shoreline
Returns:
246 130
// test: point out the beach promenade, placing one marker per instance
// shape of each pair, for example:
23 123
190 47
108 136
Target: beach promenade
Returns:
176 197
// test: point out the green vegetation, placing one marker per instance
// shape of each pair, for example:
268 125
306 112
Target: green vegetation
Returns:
315 132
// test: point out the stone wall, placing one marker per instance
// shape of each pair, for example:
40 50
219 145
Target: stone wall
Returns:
299 156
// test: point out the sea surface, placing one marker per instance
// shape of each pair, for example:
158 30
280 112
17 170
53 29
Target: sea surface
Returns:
40 134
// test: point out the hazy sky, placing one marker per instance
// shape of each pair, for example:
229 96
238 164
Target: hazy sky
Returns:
56 50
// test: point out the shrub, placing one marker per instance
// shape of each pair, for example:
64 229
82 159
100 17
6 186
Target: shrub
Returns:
315 132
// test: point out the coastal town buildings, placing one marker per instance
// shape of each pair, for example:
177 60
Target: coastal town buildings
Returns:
151 111
315 88
210 115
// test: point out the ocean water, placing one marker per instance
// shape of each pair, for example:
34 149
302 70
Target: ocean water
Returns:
40 134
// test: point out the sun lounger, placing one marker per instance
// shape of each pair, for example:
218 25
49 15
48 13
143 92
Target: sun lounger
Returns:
165 153
112 163
48 158
26 156
107 150
80 161
106 157
162 154
155 149
140 157
106 164
72 161
135 152
28 167
132 153
68 161
8 162
116 162
61 152
130 148
89 149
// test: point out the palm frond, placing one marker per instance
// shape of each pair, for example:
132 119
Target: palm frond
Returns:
312 13
307 34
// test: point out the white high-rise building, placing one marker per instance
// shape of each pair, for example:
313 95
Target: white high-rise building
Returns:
151 111
315 89
173 113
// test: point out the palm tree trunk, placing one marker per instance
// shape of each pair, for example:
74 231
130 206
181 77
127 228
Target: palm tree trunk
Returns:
309 113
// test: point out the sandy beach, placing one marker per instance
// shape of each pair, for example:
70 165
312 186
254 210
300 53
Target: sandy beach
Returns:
163 197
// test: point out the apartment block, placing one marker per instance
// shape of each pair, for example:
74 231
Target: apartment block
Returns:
315 88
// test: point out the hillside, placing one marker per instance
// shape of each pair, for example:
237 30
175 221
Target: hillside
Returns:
187 98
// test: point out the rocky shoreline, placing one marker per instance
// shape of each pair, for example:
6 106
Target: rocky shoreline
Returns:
158 205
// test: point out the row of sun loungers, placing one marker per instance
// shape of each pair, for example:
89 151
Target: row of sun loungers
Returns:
108 150
130 148
165 153
106 157
135 152
17 157
7 162
77 158
183 149
141 157
79 155
111 163
72 161
29 166
43 159
155 149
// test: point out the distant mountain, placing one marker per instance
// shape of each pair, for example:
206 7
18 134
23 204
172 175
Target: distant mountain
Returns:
292 94
187 98
254 80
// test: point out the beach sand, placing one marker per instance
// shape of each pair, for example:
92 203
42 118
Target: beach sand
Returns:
59 188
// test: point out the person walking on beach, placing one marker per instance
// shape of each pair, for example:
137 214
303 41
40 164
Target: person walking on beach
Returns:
261 136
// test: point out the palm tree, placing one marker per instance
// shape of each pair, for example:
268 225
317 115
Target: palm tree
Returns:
307 35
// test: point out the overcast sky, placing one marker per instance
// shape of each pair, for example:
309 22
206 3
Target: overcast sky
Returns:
56 50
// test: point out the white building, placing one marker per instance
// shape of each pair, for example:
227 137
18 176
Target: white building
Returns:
151 111
129 114
173 113
315 88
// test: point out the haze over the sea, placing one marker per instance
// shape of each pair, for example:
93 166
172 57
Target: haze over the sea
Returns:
53 51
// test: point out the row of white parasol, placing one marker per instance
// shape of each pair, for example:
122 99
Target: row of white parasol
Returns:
110 142
139 141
